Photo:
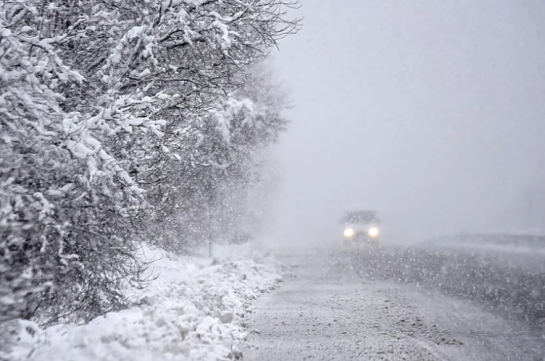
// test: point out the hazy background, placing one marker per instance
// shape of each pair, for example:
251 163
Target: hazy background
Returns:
430 112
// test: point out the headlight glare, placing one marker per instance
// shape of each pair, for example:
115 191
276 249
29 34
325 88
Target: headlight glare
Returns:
373 231
349 232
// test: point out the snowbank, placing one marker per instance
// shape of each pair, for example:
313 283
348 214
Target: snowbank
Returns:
195 310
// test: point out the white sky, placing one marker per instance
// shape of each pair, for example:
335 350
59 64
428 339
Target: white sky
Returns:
430 112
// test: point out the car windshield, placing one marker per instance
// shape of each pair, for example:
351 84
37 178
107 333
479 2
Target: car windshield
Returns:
360 217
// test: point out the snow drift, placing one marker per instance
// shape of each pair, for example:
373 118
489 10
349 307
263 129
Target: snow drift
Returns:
195 309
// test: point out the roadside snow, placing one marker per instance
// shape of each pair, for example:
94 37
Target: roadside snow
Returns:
196 309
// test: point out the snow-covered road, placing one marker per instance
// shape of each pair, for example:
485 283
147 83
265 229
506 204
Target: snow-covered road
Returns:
326 310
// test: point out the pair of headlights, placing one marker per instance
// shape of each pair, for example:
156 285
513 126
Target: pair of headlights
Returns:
372 232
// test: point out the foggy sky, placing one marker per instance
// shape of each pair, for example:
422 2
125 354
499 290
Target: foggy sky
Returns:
430 112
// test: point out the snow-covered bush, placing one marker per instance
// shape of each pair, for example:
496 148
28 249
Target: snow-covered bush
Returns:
192 62
122 120
64 200
206 190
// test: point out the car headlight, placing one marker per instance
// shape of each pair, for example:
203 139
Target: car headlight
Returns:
349 232
373 231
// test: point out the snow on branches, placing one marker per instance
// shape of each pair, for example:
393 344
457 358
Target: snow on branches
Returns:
119 119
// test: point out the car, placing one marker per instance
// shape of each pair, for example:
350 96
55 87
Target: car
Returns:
360 229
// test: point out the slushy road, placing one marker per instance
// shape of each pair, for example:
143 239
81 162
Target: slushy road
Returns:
433 302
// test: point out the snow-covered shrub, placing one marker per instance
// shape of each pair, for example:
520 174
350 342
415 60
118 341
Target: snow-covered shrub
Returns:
188 64
120 121
207 189
64 201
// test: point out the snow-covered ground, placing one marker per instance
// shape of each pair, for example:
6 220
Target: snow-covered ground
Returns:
196 309
326 310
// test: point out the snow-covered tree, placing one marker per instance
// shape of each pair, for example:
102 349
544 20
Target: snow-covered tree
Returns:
206 190
64 200
118 117
186 63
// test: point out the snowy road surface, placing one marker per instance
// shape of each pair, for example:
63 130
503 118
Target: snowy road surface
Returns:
340 307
